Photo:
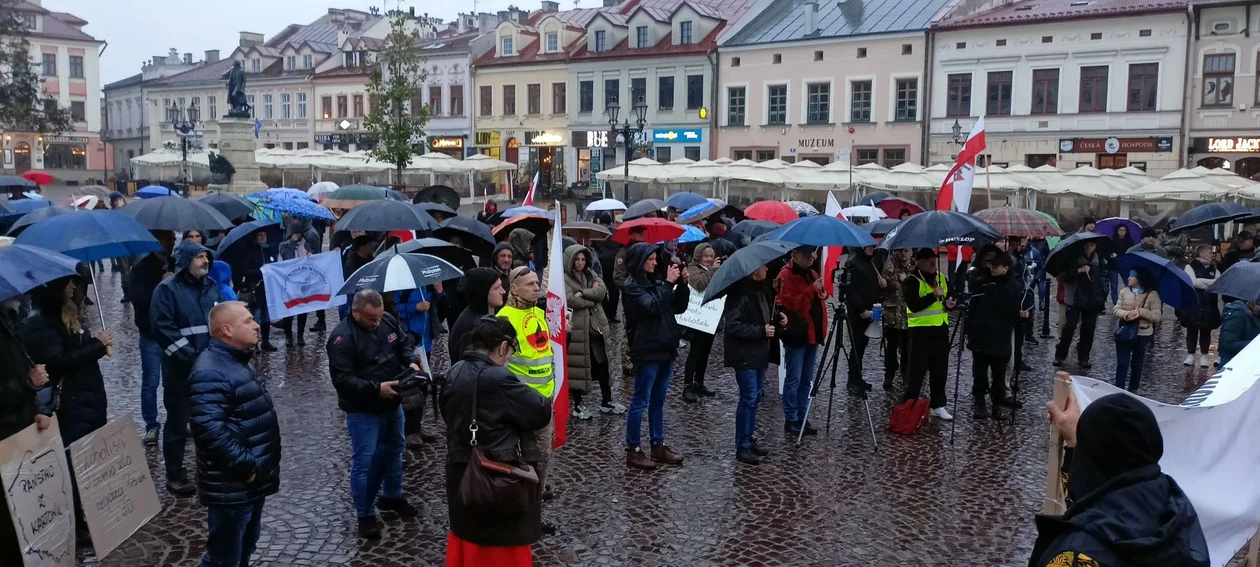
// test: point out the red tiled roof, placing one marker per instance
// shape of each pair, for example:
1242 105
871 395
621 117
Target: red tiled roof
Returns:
1038 11
527 54
55 27
340 72
663 48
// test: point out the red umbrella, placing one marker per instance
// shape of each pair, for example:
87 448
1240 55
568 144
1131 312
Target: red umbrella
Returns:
536 224
657 230
38 177
773 211
894 206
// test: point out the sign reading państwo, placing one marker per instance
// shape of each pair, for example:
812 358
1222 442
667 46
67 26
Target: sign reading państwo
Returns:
39 497
702 316
115 487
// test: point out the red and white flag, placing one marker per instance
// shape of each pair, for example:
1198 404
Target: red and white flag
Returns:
557 325
831 254
529 197
956 190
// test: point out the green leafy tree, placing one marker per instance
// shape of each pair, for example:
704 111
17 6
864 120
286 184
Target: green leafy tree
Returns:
396 79
24 106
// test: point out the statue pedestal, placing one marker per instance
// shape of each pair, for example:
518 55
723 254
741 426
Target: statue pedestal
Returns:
237 144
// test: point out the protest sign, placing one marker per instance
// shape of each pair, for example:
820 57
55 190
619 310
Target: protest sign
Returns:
303 285
702 316
39 497
115 488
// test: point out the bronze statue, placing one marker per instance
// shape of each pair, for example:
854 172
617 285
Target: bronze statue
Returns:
221 169
238 104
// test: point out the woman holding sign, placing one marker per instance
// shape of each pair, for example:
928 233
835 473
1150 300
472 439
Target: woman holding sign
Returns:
703 264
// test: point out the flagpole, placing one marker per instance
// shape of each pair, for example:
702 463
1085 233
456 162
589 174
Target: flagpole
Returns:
988 185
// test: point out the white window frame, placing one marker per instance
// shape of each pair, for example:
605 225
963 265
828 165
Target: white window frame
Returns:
892 96
726 103
308 61
831 103
506 45
765 102
848 97
553 42
301 106
286 106
267 107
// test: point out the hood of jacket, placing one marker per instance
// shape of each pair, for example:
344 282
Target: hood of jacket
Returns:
300 227
570 254
221 272
636 256
477 284
186 251
695 256
494 257
520 240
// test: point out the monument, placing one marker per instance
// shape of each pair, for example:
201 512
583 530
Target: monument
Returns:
236 140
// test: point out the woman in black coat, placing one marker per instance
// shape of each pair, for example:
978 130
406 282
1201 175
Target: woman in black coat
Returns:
56 338
507 413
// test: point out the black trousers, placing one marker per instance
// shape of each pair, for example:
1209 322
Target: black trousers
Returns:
859 341
610 304
896 351
929 347
1022 329
988 376
1088 321
301 325
1202 336
697 358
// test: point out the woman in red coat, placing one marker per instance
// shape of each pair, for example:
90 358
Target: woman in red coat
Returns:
801 296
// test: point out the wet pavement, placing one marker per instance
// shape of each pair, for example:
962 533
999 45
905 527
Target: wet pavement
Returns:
835 500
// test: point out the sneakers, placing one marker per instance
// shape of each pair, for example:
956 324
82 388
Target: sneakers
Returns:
369 528
663 454
414 441
150 437
942 414
581 413
747 456
1189 361
636 458
612 408
398 506
318 327
1203 361
181 487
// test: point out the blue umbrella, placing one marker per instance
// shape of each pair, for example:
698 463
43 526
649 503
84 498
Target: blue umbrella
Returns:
1242 280
881 227
273 208
1209 214
282 193
525 210
691 234
685 200
23 206
91 236
243 231
152 191
23 268
39 215
821 230
698 212
1173 284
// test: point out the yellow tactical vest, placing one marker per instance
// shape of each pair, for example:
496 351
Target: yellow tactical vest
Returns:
533 363
934 315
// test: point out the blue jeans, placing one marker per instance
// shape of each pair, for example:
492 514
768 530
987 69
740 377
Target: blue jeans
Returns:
376 442
1129 357
1116 284
798 380
150 379
233 534
651 382
175 434
751 382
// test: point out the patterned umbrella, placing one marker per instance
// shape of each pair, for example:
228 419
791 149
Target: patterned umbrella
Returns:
773 211
802 208
1012 221
351 196
273 208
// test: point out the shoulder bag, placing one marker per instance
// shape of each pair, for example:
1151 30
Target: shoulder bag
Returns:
1127 331
491 486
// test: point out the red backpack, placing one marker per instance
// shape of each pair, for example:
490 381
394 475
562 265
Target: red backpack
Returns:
908 417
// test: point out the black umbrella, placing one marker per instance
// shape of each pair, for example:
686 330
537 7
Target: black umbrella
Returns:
438 194
1209 214
176 215
229 205
242 232
939 228
440 248
881 227
743 262
475 235
643 208
438 211
1064 255
399 272
721 247
747 230
39 214
1241 281
11 182
376 216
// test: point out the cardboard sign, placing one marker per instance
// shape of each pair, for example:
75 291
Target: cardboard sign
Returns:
702 317
39 497
115 488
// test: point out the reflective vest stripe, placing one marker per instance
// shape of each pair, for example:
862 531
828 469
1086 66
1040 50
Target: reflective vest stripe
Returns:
533 367
198 330
934 315
175 346
927 312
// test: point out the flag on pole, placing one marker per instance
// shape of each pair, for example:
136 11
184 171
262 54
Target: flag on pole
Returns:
529 197
831 254
557 325
956 189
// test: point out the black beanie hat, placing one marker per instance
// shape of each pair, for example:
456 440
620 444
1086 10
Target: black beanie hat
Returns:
924 254
1150 232
1116 434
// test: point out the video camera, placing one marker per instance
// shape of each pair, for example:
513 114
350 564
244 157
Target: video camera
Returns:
414 386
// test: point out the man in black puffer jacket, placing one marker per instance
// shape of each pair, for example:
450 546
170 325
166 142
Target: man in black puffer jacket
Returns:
237 435
650 306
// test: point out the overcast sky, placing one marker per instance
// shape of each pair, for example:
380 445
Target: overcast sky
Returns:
139 29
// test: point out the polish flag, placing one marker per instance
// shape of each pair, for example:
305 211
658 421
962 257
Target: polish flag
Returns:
831 254
529 197
557 325
956 190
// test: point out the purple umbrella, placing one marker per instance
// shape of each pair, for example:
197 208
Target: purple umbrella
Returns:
1107 227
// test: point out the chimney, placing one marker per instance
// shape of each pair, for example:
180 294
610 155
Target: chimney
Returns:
485 22
550 6
212 55
188 59
811 16
251 39
611 3
504 16
412 11
159 59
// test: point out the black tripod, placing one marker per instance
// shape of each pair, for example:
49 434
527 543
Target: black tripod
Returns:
833 362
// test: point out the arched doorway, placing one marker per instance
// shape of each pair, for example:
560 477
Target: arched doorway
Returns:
1247 167
1214 163
513 154
22 157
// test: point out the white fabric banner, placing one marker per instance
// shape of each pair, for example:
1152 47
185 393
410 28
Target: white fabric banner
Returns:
1211 448
702 317
303 285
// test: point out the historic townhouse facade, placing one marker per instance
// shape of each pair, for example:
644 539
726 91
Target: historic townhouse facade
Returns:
1223 93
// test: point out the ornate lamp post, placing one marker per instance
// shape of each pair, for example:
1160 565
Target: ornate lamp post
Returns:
184 121
627 132
956 130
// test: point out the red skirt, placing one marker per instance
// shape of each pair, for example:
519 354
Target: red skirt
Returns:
460 553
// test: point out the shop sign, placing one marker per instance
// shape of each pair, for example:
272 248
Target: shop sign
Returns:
597 165
446 142
590 139
338 139
816 143
488 138
683 136
1114 145
1246 145
539 138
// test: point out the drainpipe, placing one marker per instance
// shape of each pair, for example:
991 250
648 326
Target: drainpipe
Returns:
711 57
1187 99
929 42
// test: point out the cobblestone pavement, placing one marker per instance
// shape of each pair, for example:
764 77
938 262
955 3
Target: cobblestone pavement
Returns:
836 500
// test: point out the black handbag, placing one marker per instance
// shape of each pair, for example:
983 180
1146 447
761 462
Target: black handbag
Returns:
493 487
1127 331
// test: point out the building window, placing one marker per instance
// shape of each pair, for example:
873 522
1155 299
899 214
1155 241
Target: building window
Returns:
601 40
664 154
1095 36
267 112
435 101
735 62
533 99
641 37
350 59
907 49
342 111
586 96
777 58
50 107
301 105
861 53
505 49
212 104
49 67
1047 39
487 100
665 93
290 62
326 106
777 107
741 154
998 101
894 158
76 66
1094 89
860 102
286 106
78 111
1144 33
684 33
818 56
691 152
28 20
457 100
736 105
553 42
1143 86
558 103
1045 91
818 106
416 105
907 100
65 156
612 88
866 156
695 92
765 155
1218 79
255 65
509 100
358 106
308 61
638 90
958 95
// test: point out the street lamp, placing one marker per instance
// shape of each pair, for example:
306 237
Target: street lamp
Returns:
184 120
958 133
627 132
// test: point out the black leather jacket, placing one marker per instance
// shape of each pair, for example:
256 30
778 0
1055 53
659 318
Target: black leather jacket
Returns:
359 360
508 412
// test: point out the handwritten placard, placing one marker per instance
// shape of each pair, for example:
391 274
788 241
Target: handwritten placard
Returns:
702 317
115 488
39 497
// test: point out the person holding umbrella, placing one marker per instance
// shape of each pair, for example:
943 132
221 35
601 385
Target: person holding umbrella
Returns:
143 278
1243 250
748 340
249 282
1085 292
927 303
1149 243
1137 312
801 296
996 309
1120 240
300 241
1205 316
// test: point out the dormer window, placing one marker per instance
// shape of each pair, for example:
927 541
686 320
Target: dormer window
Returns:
641 37
290 62
28 21
255 65
307 61
684 33
553 42
505 47
350 59
601 40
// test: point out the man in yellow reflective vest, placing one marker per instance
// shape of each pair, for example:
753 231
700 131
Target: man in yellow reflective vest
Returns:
533 363
927 319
